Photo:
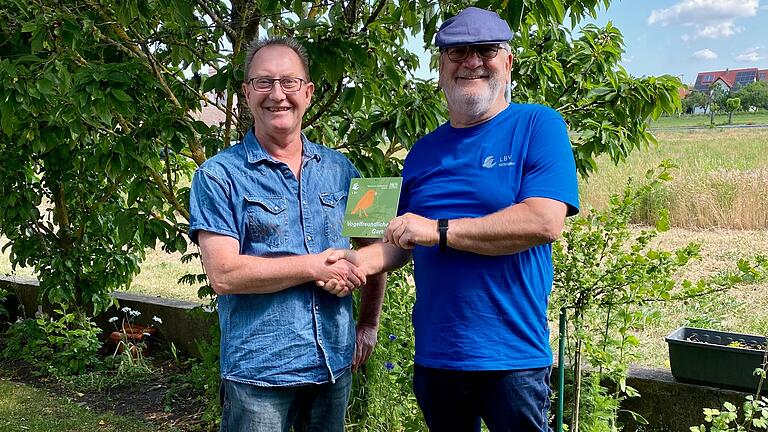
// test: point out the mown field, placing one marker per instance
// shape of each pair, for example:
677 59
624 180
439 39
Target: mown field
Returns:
721 179
739 118
717 198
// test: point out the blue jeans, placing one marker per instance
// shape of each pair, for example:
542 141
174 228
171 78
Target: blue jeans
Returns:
310 408
516 400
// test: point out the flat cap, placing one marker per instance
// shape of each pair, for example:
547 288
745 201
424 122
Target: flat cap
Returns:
473 26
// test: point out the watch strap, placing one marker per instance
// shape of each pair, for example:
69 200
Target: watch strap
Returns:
442 230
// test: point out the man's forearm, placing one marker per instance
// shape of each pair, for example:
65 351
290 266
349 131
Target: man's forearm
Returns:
244 274
511 230
371 299
381 257
232 273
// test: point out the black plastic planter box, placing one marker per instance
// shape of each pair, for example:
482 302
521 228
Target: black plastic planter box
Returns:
701 356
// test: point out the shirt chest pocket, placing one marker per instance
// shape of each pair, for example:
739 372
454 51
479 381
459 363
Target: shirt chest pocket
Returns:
267 220
333 205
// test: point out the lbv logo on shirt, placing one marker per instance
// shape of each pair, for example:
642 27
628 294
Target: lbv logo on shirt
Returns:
503 161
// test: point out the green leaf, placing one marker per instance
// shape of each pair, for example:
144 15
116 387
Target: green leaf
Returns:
210 83
514 13
663 224
38 40
118 76
121 95
45 87
180 244
7 119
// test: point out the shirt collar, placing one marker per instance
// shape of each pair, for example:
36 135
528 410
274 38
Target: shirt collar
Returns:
256 153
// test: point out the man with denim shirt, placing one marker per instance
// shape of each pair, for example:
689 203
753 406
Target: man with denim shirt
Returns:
266 214
483 198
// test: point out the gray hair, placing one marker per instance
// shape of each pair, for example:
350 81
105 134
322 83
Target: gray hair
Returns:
288 42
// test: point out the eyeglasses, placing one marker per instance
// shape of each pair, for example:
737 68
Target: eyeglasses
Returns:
460 53
287 84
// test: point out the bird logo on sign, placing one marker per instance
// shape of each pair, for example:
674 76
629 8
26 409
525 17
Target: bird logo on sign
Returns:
367 200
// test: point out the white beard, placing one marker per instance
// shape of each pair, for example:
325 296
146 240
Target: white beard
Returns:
473 105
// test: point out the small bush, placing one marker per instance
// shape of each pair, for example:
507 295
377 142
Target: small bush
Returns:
67 345
205 375
3 309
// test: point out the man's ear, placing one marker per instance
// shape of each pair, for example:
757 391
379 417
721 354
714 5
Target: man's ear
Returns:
310 90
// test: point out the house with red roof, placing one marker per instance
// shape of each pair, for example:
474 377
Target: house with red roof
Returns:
209 113
729 79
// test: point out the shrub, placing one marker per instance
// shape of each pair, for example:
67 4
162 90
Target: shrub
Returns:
205 375
67 345
3 298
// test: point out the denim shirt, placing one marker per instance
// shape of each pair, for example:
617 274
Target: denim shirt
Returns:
302 334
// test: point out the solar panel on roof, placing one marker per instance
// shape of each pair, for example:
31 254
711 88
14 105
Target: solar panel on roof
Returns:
745 77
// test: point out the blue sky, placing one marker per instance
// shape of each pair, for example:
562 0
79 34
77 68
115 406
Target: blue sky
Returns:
681 37
689 36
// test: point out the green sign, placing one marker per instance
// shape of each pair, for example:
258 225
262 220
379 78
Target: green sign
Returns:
371 204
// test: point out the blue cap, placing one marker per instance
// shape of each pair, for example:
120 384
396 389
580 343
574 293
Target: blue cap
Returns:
473 26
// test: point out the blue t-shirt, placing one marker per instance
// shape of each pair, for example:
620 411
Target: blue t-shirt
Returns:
477 312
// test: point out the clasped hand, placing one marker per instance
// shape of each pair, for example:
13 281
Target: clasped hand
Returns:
344 262
404 231
338 273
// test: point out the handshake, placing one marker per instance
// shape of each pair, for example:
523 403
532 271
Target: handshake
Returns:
340 272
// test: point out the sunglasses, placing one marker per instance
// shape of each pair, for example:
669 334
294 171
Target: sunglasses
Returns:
460 53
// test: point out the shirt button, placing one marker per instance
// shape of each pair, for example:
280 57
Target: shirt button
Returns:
317 307
277 208
309 237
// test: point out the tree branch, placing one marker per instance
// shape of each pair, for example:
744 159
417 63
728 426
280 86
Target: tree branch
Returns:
217 19
157 179
61 215
326 105
375 14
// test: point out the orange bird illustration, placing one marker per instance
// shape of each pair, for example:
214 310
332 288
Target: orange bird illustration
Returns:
369 197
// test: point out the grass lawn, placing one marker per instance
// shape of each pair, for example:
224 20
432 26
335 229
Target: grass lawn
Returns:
25 408
739 118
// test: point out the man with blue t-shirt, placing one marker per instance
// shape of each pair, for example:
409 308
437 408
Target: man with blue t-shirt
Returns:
483 198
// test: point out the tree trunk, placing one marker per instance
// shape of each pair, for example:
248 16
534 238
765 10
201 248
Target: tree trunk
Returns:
246 17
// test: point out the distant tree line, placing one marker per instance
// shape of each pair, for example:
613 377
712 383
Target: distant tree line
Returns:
751 96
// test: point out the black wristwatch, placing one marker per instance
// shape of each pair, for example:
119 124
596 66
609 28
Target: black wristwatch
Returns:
442 229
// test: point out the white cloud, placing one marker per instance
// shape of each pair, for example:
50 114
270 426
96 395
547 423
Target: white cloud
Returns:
705 54
709 11
750 55
710 18
724 29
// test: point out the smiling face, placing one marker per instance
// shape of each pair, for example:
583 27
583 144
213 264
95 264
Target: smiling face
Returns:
276 114
474 87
